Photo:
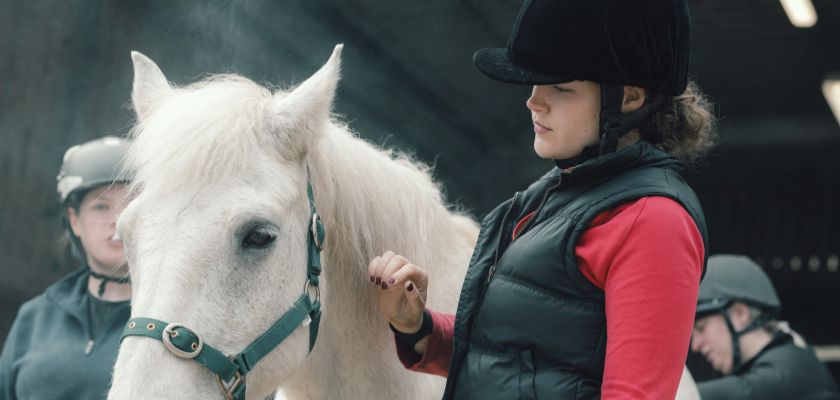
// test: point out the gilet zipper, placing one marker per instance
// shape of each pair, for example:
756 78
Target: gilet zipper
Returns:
525 227
500 254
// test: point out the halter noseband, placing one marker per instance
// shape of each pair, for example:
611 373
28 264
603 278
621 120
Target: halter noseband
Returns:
184 342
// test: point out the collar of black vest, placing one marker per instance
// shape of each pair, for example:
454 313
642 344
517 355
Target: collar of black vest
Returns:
779 339
592 169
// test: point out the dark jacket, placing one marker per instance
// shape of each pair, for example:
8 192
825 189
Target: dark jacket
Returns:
529 324
781 370
51 353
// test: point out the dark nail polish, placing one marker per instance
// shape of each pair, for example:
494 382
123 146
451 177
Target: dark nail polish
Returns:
378 280
384 285
410 287
391 281
371 279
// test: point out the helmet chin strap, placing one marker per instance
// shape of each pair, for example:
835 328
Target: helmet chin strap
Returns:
613 123
104 279
736 336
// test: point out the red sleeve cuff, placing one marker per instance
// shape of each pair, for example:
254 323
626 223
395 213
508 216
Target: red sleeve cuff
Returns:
438 353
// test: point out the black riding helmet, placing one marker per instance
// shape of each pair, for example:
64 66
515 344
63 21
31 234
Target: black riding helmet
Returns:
643 43
735 278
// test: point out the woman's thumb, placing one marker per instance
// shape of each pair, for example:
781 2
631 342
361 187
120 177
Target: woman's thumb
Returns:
412 294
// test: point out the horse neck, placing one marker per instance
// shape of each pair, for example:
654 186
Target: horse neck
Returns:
369 203
372 201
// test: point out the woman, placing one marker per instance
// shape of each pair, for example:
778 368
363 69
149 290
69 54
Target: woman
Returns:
736 330
583 286
63 343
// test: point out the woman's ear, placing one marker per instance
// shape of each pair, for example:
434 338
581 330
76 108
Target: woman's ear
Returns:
739 314
634 97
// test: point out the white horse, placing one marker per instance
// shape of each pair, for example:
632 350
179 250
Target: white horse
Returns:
217 238
223 163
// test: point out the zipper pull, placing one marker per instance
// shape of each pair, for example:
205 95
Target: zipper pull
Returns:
490 274
89 347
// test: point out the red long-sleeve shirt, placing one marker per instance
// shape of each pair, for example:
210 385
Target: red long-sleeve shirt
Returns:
647 256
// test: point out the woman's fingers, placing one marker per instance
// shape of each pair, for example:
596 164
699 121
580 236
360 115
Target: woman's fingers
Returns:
402 297
397 262
408 273
373 266
389 270
377 266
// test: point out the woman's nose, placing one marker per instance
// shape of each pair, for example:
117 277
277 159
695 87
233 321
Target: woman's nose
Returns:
695 342
536 102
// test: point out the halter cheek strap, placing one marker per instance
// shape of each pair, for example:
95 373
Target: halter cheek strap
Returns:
230 370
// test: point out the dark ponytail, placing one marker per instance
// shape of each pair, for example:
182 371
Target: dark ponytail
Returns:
685 127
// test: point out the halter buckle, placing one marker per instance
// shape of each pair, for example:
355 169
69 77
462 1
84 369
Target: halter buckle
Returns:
169 332
230 387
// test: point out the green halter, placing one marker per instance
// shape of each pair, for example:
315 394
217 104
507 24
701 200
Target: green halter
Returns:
230 371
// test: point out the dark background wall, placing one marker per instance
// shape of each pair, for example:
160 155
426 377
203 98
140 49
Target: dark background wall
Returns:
770 189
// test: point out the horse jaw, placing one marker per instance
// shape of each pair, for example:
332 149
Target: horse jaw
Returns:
150 85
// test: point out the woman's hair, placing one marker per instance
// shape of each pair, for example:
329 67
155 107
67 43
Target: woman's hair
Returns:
67 246
64 247
685 126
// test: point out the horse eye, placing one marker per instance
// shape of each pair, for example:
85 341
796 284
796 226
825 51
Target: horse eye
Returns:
258 239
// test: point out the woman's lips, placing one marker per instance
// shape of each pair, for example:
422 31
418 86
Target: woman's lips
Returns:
539 129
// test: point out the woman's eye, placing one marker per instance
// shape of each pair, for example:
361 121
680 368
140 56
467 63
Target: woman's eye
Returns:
561 89
101 207
258 239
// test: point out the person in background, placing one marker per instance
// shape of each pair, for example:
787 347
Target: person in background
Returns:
584 285
64 342
737 332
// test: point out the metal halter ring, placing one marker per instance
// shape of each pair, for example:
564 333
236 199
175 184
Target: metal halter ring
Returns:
169 332
316 239
306 290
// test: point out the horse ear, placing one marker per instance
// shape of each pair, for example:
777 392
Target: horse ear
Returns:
150 85
308 106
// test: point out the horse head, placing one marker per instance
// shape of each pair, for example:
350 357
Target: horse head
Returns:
222 236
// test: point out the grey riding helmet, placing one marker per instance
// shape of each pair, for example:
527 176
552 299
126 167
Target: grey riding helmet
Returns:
730 278
90 165
734 278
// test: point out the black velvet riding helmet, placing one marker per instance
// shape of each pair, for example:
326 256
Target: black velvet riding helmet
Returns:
644 43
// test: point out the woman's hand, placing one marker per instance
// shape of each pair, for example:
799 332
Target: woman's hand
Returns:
402 290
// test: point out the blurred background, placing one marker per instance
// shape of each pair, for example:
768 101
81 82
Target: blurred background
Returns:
770 190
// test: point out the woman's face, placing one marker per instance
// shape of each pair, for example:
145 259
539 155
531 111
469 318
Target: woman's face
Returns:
712 339
95 225
565 118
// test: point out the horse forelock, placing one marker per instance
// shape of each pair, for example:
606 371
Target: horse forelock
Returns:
205 133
